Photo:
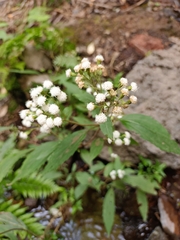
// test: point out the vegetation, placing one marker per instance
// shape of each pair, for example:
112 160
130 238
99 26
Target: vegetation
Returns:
80 111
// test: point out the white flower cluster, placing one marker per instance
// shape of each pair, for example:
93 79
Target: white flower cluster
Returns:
43 107
120 139
119 173
108 99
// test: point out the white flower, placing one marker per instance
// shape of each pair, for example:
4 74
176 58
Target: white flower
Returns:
84 60
127 141
116 134
53 109
133 99
120 173
45 107
118 142
26 123
33 109
124 81
55 91
133 87
62 97
109 140
47 84
29 104
38 112
100 118
95 93
125 91
85 64
100 97
107 85
89 90
114 155
30 118
117 110
50 122
100 66
90 106
41 100
23 135
68 72
44 129
127 134
78 79
34 92
41 119
23 113
57 121
99 58
113 174
77 68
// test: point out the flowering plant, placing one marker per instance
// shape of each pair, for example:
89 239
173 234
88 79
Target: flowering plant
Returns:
92 112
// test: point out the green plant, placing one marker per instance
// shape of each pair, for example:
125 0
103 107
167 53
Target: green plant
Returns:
84 119
15 222
37 33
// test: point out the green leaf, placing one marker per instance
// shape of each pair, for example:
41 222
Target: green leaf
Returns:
109 210
81 119
64 150
80 190
36 159
98 166
96 147
150 130
107 128
83 178
142 183
38 14
8 146
108 168
10 221
84 97
7 163
25 71
143 202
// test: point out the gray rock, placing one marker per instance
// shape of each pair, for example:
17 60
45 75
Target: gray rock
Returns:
36 59
158 80
158 234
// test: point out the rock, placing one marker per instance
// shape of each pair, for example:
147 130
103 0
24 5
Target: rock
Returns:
143 43
36 59
169 218
26 81
157 77
158 234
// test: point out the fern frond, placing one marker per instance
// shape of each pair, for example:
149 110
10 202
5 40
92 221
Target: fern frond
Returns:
22 220
35 186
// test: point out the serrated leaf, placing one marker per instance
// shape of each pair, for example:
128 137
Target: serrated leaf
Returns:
64 150
84 97
109 210
151 130
107 128
80 190
81 119
143 202
83 178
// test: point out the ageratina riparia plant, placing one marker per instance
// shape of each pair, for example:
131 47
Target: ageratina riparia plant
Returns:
44 108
